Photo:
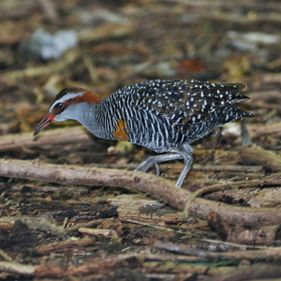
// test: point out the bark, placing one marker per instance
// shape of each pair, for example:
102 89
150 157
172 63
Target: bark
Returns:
157 187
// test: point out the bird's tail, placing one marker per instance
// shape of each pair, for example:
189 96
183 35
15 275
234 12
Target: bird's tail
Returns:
231 113
235 92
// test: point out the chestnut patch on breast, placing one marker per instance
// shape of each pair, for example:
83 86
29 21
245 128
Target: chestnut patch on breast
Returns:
121 131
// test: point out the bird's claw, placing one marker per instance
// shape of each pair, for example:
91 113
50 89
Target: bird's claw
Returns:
145 167
157 169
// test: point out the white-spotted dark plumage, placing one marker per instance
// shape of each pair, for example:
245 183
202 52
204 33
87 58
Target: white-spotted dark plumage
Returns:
168 115
163 114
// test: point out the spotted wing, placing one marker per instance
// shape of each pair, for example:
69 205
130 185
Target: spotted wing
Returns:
184 102
203 101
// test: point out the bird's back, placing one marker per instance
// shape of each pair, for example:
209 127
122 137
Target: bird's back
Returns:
163 114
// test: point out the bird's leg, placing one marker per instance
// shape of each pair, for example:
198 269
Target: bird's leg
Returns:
156 160
246 140
186 152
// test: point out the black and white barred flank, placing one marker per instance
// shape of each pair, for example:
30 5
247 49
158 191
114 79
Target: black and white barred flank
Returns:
164 114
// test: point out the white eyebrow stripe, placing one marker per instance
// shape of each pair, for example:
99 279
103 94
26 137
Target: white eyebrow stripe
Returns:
66 97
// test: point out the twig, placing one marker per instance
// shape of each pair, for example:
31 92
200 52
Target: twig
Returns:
52 270
215 5
227 186
234 245
90 68
33 72
49 8
63 245
99 232
268 253
55 136
90 266
245 169
18 268
164 257
202 191
155 186
5 256
103 32
264 272
167 229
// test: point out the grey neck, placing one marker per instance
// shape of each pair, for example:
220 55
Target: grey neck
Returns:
87 115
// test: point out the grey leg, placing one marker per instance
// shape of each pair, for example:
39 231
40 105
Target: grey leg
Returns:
154 161
246 140
186 152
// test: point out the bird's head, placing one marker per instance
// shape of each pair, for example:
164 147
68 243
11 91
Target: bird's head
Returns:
69 104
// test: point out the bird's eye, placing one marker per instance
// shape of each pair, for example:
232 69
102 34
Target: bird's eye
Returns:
59 105
58 108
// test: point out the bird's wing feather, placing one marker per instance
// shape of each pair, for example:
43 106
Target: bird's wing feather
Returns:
183 101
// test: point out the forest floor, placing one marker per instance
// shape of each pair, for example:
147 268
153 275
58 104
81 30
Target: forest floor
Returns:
71 207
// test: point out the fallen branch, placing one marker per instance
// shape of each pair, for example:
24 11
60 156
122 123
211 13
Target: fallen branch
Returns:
90 266
177 167
96 265
258 155
156 186
77 175
35 223
78 135
265 181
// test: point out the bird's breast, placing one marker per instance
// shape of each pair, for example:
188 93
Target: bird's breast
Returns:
121 130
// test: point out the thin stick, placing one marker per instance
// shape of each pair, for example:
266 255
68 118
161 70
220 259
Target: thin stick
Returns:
55 136
64 245
222 187
96 265
167 229
99 232
14 267
5 256
50 68
261 254
52 270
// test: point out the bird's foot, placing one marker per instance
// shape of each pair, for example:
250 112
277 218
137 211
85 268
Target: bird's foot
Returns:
146 165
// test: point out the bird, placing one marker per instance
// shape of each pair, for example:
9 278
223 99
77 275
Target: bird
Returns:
164 116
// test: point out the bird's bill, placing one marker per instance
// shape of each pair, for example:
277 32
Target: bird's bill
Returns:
44 123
